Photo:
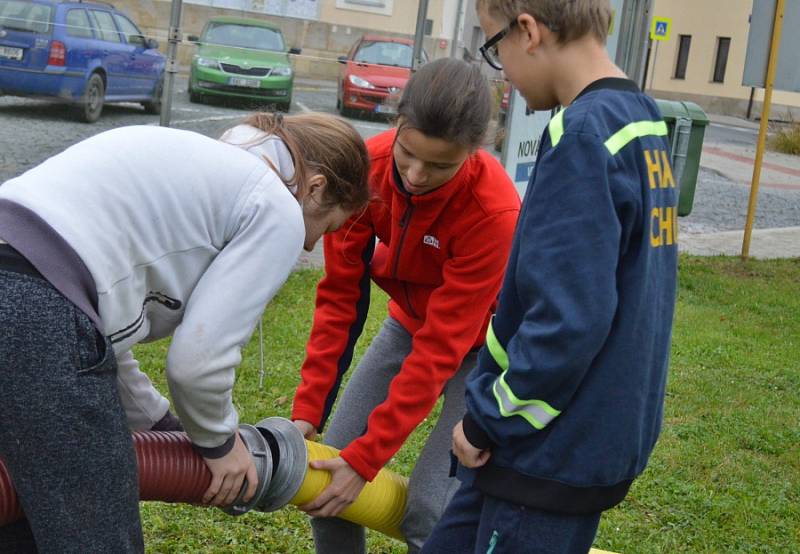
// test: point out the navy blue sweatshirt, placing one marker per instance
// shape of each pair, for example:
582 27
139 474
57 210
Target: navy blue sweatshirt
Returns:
568 392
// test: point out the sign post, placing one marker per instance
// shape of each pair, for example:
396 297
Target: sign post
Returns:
660 30
174 39
772 65
419 35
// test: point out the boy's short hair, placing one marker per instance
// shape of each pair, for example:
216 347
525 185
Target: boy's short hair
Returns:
568 19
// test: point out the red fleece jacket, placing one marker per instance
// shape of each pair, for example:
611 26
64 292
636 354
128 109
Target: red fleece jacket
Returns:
441 258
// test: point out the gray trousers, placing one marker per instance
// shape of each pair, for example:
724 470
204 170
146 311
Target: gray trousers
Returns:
63 434
430 487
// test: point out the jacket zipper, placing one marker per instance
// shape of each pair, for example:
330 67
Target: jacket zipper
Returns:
404 221
404 226
164 300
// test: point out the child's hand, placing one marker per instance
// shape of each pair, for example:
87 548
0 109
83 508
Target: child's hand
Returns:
308 430
228 474
345 487
468 455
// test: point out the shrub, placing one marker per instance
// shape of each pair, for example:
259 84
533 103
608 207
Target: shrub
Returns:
787 140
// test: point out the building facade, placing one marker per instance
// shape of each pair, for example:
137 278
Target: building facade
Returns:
703 60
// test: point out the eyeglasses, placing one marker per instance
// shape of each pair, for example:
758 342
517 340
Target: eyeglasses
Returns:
489 48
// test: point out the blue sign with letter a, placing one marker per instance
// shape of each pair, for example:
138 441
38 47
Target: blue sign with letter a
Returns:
660 28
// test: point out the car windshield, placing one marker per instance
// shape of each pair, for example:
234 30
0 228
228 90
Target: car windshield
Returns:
244 36
23 15
385 53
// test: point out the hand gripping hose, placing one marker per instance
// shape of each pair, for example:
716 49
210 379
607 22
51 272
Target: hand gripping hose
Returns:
171 471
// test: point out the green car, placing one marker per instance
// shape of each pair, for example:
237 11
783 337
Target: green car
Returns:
242 58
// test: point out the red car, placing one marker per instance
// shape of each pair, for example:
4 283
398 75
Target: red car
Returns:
373 74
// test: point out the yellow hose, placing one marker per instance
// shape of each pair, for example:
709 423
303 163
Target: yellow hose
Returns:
380 506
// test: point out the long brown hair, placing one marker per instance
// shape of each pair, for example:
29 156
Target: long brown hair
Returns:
323 144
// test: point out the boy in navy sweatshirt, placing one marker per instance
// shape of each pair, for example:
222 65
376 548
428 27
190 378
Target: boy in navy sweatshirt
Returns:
565 405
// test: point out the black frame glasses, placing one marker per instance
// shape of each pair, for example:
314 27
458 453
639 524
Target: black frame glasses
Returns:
489 48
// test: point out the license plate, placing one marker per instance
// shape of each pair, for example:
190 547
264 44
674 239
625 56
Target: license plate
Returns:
385 108
11 53
239 82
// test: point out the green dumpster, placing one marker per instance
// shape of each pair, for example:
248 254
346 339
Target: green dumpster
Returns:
686 123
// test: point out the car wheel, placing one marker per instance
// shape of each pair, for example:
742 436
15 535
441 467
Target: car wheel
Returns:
345 111
93 97
195 97
154 106
284 106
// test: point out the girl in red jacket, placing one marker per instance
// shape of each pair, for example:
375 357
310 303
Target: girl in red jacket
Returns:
443 213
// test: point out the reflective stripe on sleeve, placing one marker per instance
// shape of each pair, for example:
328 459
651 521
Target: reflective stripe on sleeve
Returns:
495 348
635 130
536 412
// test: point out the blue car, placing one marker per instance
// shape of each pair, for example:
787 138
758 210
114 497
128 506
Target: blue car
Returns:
83 53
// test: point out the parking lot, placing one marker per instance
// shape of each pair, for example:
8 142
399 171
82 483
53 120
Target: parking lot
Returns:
33 130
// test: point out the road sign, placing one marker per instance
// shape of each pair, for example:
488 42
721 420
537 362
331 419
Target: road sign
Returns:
521 146
661 28
787 75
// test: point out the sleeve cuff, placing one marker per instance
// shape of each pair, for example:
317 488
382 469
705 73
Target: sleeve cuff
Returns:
475 434
299 412
215 452
168 423
359 466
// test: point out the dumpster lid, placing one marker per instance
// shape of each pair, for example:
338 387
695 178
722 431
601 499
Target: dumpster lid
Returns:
675 109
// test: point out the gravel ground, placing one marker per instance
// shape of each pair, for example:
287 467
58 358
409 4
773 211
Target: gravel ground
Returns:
721 205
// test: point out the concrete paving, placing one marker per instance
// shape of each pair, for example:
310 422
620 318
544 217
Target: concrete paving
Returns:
735 162
764 243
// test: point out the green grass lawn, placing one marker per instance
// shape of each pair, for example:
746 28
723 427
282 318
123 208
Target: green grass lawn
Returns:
725 475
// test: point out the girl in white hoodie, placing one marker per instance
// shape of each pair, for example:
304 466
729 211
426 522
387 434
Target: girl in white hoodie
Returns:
129 236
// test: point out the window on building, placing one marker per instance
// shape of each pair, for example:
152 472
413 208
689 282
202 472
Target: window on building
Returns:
723 47
684 43
370 3
383 7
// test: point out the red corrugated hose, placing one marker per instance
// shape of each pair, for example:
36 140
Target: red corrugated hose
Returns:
169 471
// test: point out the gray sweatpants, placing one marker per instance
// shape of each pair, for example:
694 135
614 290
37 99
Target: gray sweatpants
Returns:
63 434
430 487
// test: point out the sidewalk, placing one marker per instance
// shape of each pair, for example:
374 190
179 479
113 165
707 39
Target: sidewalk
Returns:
764 243
735 162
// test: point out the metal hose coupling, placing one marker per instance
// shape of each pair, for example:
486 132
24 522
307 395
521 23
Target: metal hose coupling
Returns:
380 506
171 471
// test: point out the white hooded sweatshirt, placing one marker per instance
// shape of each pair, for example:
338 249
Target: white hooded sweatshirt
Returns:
183 235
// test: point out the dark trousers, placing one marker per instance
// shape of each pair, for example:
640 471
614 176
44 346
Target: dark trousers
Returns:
481 524
63 434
